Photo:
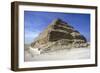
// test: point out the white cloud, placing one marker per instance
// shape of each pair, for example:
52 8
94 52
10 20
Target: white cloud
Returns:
30 36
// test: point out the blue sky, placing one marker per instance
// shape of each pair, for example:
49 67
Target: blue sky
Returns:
35 22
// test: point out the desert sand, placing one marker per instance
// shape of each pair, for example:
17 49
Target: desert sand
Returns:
63 54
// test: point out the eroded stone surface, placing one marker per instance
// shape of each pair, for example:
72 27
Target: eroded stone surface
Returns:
59 33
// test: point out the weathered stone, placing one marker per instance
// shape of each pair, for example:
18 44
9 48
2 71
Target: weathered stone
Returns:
59 33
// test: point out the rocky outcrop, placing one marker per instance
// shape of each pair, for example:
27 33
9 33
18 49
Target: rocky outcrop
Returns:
59 33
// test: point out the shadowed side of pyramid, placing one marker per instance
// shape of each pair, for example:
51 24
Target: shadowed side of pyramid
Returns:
57 32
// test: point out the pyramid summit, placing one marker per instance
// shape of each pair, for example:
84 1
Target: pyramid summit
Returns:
58 21
59 32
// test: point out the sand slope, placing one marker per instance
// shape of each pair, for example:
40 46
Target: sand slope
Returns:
64 54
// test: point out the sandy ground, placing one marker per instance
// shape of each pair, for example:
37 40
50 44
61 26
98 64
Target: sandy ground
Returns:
65 54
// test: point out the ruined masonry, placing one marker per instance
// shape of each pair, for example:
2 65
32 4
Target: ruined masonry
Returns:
59 35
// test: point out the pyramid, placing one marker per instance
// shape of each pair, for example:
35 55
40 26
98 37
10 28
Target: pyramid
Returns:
61 32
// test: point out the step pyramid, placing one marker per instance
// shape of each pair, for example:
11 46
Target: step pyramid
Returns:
59 30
